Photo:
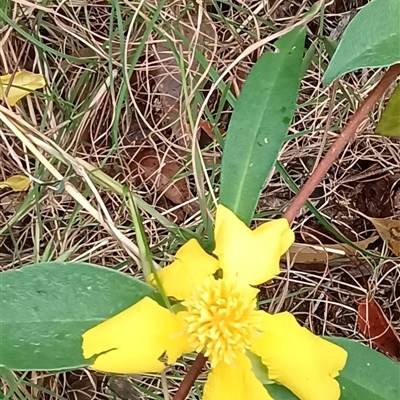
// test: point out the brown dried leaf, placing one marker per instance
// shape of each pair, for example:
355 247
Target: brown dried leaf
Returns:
147 165
306 254
374 325
168 75
82 387
389 231
123 387
208 129
168 79
11 202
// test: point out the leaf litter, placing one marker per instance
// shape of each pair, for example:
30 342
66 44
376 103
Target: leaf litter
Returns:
374 325
388 229
307 253
162 172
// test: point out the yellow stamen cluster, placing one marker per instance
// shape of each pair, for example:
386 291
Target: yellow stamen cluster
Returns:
222 319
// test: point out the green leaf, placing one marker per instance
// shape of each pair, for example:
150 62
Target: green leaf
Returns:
389 124
308 58
259 124
371 40
279 392
259 369
45 308
368 375
330 46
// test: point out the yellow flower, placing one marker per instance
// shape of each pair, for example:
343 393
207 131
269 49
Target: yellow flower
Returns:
220 319
23 82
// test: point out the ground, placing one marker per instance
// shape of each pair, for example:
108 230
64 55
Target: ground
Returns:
137 125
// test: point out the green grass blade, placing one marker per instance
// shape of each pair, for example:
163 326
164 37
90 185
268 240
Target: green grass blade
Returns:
146 260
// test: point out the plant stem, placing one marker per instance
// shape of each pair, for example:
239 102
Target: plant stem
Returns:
190 377
341 141
305 192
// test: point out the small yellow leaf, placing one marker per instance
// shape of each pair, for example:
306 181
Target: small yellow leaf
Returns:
18 183
389 231
23 83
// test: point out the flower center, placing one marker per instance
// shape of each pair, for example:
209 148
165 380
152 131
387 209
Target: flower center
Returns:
222 319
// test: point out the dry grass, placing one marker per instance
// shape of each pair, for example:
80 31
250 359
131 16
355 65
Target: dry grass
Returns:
103 112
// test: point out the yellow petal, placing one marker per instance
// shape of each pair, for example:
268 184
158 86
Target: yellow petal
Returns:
18 183
22 80
134 340
192 265
226 382
251 256
303 362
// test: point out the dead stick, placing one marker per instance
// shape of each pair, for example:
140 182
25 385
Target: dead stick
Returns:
190 377
305 192
341 141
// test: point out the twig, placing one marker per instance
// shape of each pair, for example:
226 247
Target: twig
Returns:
164 385
340 143
190 377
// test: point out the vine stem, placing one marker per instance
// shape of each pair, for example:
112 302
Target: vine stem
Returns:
315 178
340 143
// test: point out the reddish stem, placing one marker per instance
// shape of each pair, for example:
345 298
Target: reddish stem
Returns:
305 192
341 141
190 377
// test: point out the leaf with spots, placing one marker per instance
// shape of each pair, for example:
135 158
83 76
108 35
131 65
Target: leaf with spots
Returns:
260 123
368 375
45 308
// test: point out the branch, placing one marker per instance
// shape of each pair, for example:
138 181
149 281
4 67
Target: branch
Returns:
190 377
341 141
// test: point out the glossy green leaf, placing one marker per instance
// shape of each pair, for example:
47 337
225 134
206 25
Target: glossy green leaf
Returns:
259 124
389 124
45 308
371 40
368 375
